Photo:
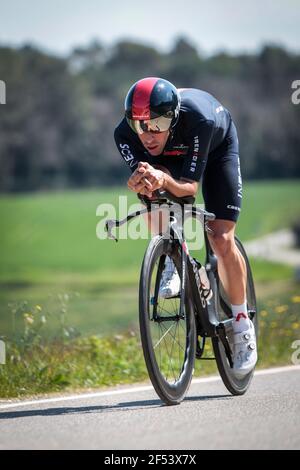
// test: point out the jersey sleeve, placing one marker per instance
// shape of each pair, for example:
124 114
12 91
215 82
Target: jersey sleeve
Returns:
199 138
127 148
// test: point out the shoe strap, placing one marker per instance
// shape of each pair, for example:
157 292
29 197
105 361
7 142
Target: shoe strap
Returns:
244 337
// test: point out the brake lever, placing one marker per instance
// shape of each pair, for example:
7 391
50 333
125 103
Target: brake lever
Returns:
109 225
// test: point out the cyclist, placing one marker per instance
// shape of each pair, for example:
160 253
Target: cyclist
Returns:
172 138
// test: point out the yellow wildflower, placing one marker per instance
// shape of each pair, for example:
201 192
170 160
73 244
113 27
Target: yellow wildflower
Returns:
281 308
28 317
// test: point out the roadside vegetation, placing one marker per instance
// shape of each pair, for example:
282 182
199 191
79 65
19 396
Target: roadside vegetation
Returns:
67 361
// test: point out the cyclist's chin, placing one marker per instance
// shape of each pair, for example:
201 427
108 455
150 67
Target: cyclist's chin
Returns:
155 151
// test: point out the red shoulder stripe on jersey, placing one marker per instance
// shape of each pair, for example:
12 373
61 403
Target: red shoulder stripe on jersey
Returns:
141 98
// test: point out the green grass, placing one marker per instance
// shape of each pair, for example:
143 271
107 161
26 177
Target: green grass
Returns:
268 206
48 246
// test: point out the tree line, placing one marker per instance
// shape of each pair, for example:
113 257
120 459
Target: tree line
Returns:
56 128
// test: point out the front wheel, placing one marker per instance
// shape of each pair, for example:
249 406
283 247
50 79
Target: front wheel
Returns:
235 385
168 338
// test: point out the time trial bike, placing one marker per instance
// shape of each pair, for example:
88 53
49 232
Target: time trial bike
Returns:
174 331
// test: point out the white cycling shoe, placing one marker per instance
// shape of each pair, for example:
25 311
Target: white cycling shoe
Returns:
245 352
170 281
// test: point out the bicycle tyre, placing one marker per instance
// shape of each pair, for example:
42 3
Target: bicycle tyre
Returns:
170 393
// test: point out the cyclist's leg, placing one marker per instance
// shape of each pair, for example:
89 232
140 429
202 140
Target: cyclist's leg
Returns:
231 265
222 191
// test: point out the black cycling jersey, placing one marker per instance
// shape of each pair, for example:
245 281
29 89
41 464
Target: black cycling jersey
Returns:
204 143
202 127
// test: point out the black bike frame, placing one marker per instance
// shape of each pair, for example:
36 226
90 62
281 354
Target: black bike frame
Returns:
208 324
205 311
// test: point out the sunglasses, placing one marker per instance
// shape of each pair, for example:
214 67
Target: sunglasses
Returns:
155 126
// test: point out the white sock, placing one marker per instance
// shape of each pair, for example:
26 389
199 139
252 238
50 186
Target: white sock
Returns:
240 315
169 264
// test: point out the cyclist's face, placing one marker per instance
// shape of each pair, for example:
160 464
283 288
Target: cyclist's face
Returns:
154 142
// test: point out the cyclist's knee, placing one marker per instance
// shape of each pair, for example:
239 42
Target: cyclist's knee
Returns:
222 238
222 244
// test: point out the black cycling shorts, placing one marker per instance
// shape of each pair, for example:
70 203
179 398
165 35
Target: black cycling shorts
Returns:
222 181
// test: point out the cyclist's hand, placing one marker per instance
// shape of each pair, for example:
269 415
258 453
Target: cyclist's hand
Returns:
155 177
137 182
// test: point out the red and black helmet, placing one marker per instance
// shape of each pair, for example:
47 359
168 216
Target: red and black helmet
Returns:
152 105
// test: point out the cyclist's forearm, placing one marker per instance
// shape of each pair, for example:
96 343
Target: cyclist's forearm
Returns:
180 188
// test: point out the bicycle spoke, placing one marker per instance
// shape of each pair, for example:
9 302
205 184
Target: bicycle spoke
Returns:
167 311
154 347
169 341
170 361
175 350
175 340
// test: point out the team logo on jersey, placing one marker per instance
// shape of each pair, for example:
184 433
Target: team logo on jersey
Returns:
177 150
127 155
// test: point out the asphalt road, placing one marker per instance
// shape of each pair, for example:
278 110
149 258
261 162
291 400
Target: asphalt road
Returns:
267 417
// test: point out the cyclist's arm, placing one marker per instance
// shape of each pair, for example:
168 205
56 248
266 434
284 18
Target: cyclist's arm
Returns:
180 188
133 155
159 179
130 150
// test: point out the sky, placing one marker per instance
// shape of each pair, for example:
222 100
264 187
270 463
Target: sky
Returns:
212 25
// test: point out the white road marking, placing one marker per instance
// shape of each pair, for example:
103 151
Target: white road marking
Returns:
109 393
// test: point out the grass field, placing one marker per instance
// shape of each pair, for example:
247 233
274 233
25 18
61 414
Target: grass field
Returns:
50 255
